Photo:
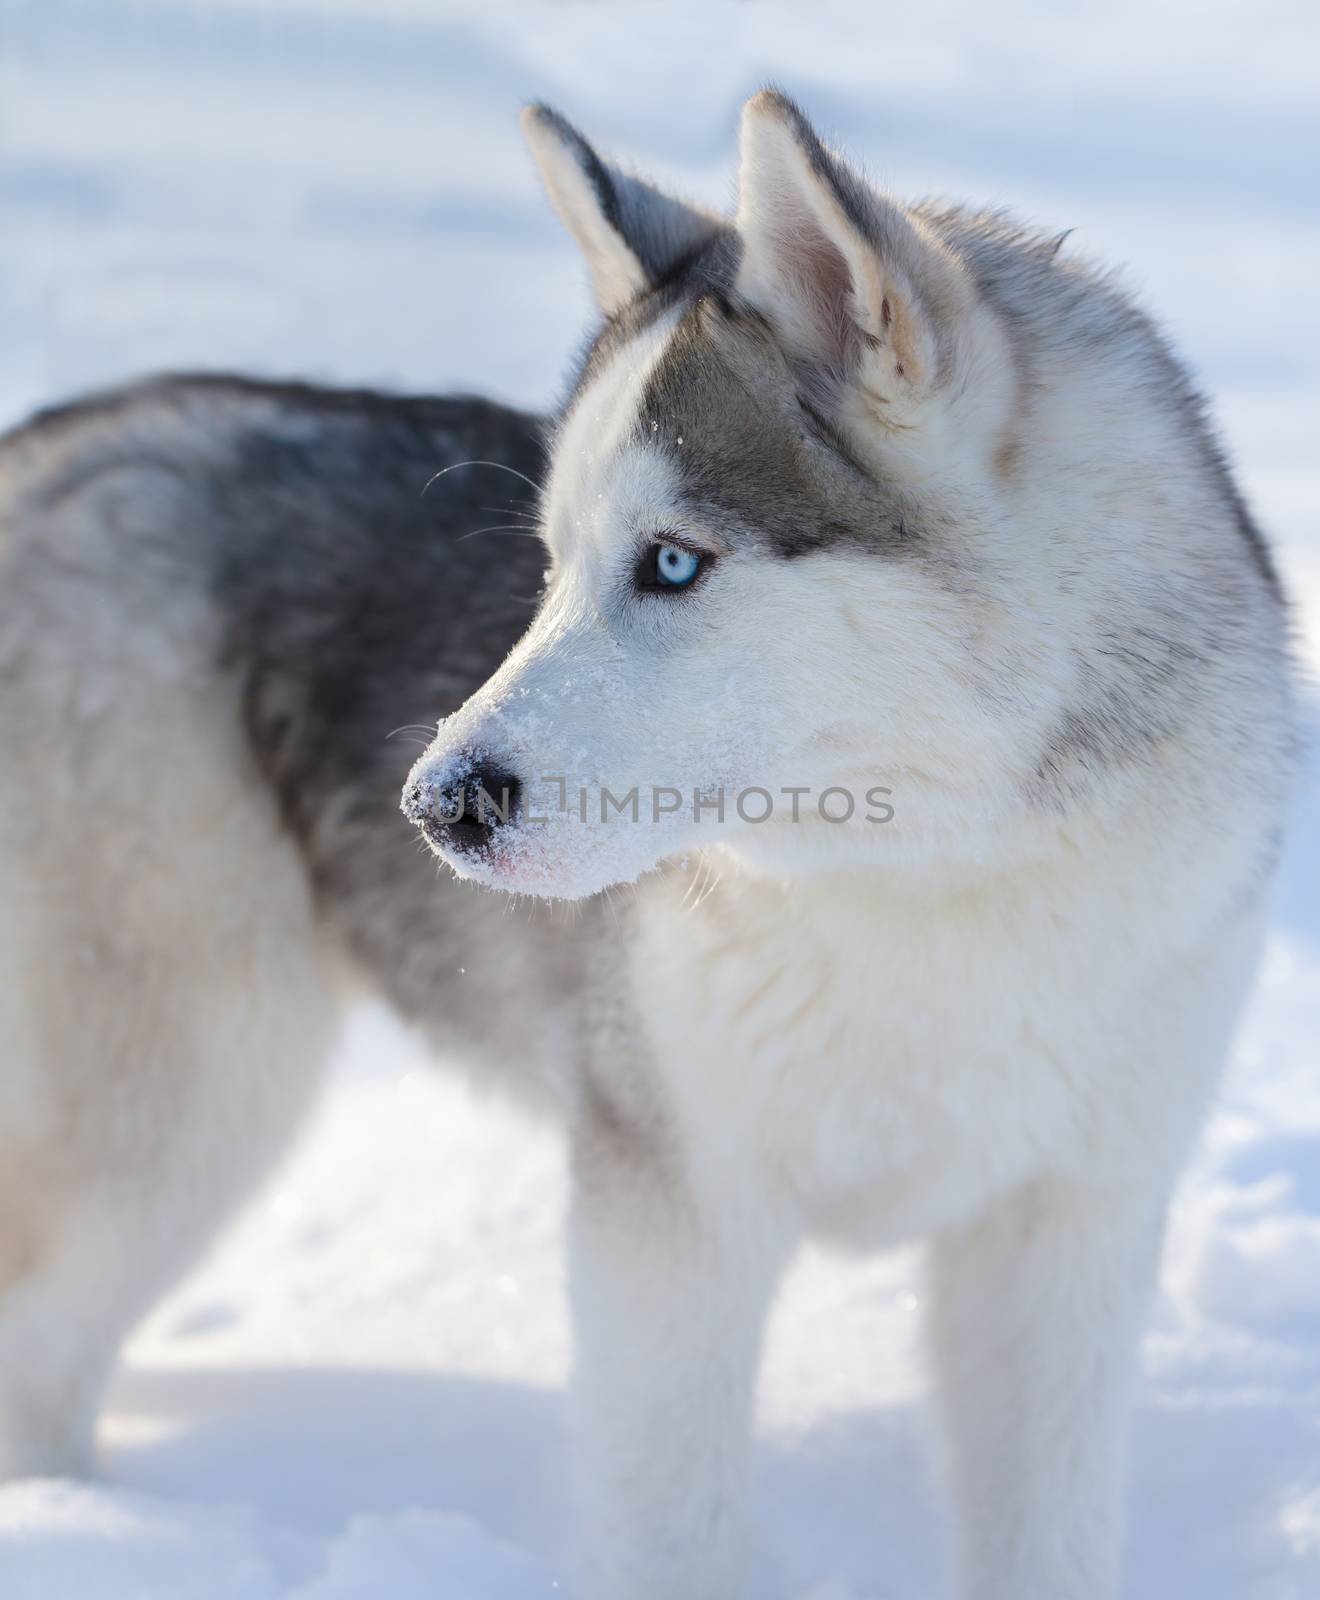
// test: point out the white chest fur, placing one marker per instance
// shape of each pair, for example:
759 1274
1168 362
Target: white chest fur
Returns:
886 1060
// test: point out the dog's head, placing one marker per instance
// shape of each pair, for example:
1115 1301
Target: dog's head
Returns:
760 623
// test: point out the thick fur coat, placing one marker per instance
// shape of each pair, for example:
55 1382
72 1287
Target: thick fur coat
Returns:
853 504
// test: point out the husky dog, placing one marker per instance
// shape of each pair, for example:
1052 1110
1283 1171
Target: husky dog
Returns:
859 497
897 503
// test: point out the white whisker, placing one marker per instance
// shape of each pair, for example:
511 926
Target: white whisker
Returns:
498 465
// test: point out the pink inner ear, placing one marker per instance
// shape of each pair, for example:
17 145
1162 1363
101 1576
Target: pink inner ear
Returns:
817 276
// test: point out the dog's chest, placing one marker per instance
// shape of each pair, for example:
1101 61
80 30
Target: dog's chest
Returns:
884 1066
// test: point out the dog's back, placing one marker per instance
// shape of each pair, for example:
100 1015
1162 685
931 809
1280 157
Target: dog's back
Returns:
218 601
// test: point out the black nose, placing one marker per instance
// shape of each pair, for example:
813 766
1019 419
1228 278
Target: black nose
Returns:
466 814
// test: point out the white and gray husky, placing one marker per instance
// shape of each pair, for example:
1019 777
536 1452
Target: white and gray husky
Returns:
903 640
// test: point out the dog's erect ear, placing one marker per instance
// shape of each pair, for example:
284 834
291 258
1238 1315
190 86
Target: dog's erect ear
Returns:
858 292
630 233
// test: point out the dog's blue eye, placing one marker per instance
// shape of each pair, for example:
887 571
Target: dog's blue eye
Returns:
668 566
675 566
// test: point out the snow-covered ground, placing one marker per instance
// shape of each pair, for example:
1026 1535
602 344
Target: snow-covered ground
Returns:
360 1395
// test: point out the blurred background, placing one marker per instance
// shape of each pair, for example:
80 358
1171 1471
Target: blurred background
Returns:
360 1393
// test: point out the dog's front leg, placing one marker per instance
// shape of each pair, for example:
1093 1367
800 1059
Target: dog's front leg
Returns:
1035 1320
671 1283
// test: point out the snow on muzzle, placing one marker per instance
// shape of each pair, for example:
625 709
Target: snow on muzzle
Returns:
461 805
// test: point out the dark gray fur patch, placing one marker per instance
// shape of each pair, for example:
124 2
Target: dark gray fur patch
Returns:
361 593
751 453
352 601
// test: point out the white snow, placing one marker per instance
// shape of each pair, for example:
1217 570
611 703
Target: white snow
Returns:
360 1394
